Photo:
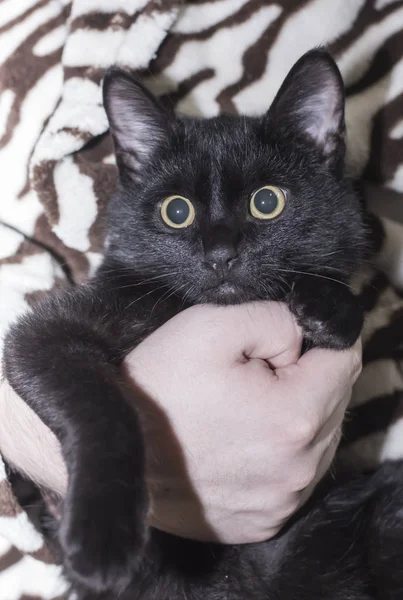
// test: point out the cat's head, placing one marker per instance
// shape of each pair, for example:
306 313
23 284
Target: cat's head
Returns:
230 209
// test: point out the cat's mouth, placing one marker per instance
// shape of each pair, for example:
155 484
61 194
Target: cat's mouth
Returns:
227 288
226 292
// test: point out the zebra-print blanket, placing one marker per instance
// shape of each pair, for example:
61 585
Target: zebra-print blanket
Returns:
57 168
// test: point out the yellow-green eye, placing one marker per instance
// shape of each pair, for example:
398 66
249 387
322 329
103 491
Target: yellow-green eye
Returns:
267 202
177 212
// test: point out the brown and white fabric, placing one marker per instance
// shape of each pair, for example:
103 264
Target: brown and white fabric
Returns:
57 170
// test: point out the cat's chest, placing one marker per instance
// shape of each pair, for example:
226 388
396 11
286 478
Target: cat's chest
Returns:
139 317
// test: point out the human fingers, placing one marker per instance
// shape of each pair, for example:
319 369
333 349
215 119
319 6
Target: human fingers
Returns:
320 382
270 333
323 467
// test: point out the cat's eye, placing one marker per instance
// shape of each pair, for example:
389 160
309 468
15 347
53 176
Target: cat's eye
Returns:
267 202
177 212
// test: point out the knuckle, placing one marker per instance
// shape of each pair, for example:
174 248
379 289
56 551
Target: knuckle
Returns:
336 437
298 331
303 478
356 364
270 532
303 431
291 331
290 509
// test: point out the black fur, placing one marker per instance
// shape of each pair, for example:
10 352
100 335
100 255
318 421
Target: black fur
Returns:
64 358
346 544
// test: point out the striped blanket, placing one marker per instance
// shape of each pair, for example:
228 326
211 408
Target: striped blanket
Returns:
57 168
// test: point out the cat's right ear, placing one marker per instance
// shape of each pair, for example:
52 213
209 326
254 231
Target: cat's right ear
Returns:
310 106
138 124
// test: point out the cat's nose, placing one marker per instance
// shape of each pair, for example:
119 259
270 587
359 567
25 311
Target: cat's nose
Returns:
221 259
220 248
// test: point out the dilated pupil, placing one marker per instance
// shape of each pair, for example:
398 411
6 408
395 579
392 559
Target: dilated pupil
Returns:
177 211
266 201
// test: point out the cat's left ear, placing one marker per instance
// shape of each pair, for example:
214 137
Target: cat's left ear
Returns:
310 105
138 124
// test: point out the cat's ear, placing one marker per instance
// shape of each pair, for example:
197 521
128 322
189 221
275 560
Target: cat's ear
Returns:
138 124
310 104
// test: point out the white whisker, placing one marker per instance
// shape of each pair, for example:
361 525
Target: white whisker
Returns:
279 270
147 294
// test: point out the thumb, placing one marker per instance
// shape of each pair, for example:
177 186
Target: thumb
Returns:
269 332
322 379
330 367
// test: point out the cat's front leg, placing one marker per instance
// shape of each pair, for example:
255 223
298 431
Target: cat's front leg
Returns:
63 361
103 530
327 311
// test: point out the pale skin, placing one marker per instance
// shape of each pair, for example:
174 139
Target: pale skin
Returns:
239 428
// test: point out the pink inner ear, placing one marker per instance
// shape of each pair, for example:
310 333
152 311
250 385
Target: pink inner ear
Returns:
320 117
311 101
137 123
134 132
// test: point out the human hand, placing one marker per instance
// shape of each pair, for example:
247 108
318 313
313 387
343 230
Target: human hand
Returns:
234 446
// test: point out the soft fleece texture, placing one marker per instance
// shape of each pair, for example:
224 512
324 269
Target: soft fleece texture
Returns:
57 168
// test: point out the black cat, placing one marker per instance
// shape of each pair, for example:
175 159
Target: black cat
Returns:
223 210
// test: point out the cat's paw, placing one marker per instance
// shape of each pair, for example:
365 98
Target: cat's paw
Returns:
328 313
102 536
